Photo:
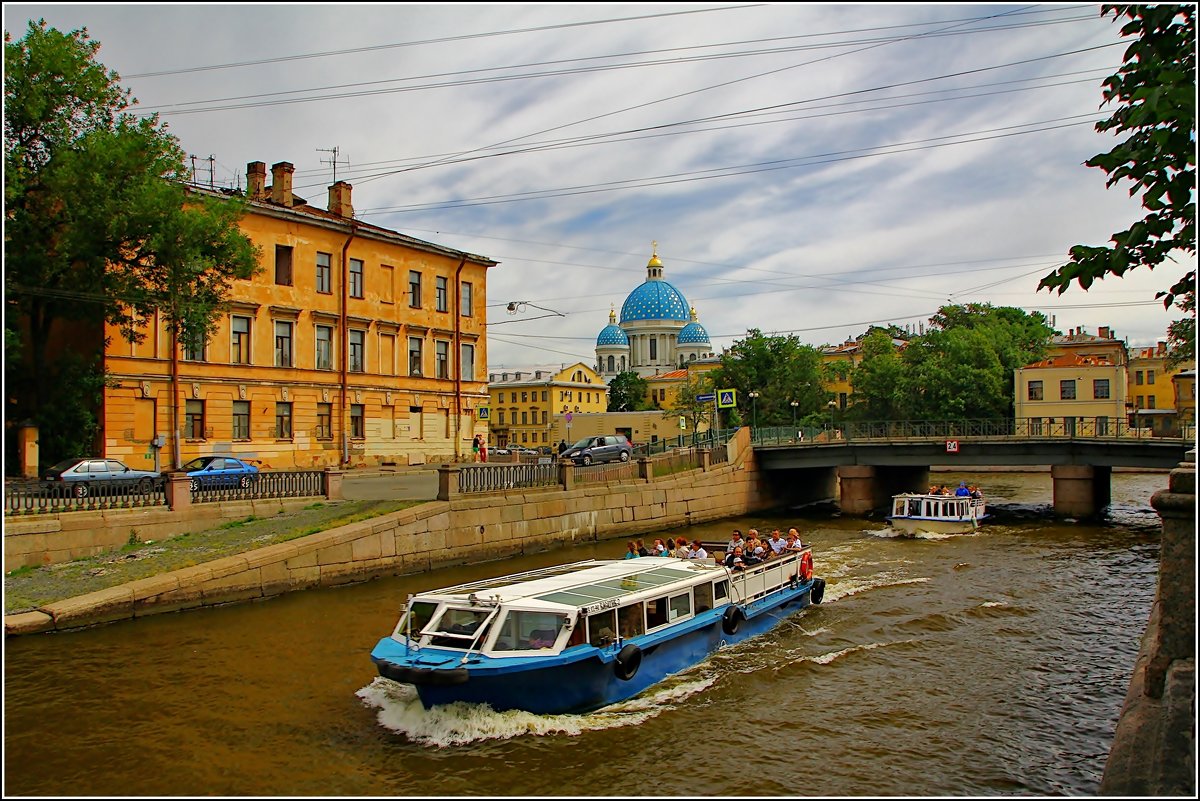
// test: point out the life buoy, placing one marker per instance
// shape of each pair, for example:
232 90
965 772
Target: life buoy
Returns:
628 661
806 566
731 621
817 592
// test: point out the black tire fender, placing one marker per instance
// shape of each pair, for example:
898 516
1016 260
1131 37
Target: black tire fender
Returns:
818 590
731 621
628 661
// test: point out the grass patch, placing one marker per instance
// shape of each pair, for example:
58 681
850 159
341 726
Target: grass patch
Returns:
29 587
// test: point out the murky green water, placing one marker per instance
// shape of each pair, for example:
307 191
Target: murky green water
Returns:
988 664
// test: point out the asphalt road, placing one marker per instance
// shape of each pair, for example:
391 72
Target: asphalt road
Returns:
409 485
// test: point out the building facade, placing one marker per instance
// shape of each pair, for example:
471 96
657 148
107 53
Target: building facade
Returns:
354 345
658 331
526 405
1071 394
1153 390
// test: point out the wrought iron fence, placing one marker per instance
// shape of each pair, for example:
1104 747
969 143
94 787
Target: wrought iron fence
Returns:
36 498
676 461
500 477
264 485
606 473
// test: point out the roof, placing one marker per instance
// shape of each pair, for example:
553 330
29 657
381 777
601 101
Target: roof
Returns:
1071 360
674 375
693 333
655 299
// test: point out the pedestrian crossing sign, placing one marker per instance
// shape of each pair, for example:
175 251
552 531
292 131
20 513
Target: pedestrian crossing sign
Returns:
726 398
484 413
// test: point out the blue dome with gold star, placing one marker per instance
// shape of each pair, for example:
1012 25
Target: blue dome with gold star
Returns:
612 333
655 299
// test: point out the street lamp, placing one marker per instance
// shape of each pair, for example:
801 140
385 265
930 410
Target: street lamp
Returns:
754 409
794 404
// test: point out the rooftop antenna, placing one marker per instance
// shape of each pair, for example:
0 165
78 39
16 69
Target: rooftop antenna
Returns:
212 172
333 160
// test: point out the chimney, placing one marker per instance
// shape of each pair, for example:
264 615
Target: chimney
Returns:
256 180
339 200
1162 348
1105 332
281 183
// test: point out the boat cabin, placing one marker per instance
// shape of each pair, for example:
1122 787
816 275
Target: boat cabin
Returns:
936 507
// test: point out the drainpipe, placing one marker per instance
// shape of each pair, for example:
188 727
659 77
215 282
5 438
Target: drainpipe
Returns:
175 451
456 358
343 301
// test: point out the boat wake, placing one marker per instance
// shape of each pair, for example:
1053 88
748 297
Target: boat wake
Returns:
845 588
401 711
825 659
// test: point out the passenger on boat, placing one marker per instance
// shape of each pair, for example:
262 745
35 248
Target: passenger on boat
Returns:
735 560
962 491
934 489
793 540
778 544
975 491
681 548
632 553
735 541
660 549
641 549
697 551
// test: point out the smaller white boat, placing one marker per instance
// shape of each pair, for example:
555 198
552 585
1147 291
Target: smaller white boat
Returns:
914 513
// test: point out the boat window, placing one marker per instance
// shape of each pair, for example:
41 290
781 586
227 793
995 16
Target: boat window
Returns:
656 613
681 606
602 628
632 620
704 597
416 618
578 635
722 593
456 628
528 631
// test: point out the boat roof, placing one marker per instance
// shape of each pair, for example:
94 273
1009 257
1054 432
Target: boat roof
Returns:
575 585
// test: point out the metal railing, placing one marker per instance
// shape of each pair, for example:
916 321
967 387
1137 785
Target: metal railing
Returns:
676 461
496 478
38 498
612 472
1034 428
265 485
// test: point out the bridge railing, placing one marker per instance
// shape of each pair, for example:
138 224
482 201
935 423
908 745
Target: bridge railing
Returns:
1019 428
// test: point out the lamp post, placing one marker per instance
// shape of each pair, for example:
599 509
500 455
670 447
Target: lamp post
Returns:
794 404
754 409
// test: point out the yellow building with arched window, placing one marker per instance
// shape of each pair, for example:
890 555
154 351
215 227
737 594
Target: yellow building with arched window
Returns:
525 404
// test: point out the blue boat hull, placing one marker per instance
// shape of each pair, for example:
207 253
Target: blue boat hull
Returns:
582 678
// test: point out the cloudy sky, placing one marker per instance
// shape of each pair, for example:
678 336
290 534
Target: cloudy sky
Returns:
804 168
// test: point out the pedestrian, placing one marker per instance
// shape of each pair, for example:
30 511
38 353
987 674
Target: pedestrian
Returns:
562 447
475 449
483 449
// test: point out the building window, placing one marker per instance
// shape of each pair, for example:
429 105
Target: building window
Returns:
442 356
1137 378
1149 376
545 396
1100 390
240 345
241 419
324 421
524 397
1150 401
464 300
414 356
194 412
653 347
283 420
524 418
1102 426
1035 390
499 397
324 347
440 294
1035 427
356 278
611 363
283 265
544 418
324 282
283 344
414 289
1141 402
196 353
358 351
501 417
466 362
358 426
1066 389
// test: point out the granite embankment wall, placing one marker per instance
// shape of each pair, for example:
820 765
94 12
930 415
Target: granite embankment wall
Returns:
1153 750
462 530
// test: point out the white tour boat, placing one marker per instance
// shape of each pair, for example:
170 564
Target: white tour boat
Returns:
914 513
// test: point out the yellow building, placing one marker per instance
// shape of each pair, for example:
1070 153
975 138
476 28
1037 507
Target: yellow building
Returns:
1185 400
355 345
525 404
1070 394
1078 342
1152 389
662 390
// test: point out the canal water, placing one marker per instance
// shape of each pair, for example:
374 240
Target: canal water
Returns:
985 664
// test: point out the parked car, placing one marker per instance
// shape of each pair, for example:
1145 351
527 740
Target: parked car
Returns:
87 474
606 448
212 472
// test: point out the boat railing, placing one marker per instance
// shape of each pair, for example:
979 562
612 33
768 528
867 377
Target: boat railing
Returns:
759 580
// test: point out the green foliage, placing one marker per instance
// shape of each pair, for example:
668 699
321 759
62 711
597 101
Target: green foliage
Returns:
781 369
685 403
627 393
961 368
1155 92
68 426
1181 334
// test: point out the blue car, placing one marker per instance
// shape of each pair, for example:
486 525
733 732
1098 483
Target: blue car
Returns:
214 472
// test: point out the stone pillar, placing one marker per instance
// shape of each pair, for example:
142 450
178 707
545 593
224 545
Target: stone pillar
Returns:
178 489
27 449
448 482
705 459
857 488
566 474
1176 597
1074 490
645 470
333 484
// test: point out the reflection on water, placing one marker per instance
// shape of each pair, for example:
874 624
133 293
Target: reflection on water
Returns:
981 664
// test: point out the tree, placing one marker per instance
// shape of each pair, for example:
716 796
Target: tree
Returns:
627 393
876 381
781 369
99 224
1155 89
685 403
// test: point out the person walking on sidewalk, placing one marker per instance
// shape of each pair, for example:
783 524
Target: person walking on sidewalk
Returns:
482 448
475 449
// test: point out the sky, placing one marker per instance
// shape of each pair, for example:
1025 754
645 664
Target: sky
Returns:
806 169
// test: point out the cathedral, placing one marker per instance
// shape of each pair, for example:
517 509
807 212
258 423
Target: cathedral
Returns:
658 331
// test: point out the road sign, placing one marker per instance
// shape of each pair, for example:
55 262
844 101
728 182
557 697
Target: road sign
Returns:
951 446
682 422
706 398
726 398
484 413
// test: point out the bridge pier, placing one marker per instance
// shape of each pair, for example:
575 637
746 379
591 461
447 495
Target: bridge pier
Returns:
1081 490
797 486
864 488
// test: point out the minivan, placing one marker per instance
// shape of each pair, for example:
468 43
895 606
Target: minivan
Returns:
606 448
